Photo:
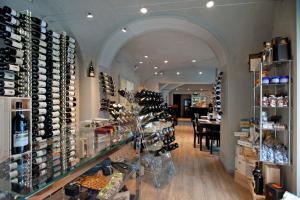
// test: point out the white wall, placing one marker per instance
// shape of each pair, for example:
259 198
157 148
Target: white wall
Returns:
285 25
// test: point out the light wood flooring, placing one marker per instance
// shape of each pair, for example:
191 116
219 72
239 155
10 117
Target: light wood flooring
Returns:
199 175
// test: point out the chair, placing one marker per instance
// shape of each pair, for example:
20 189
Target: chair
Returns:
196 133
202 133
214 135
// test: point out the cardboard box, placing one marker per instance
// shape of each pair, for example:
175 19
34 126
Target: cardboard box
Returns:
242 180
271 174
240 164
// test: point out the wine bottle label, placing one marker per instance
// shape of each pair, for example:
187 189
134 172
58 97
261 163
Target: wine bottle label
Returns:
14 21
55 114
56 132
73 109
55 102
15 180
72 77
72 46
41 153
19 61
42 111
55 95
41 97
55 89
8 75
72 147
20 139
8 29
42 63
70 104
56 65
38 139
56 107
13 166
56 41
39 160
13 12
55 58
72 72
41 84
42 43
41 145
55 53
42 50
43 37
72 153
41 125
15 37
56 47
55 83
55 139
70 93
55 120
56 35
43 30
56 77
41 118
42 104
72 67
42 166
8 92
55 126
16 44
19 53
42 91
9 84
13 174
42 77
72 88
42 57
12 67
55 71
41 132
72 56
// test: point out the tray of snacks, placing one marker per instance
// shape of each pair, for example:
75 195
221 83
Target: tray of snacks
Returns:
94 182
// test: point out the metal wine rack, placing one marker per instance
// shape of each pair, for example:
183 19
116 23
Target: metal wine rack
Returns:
68 125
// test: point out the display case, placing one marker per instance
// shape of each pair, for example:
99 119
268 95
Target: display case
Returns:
272 111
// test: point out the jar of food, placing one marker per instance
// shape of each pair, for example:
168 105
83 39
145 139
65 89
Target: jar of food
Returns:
268 53
265 101
275 79
272 101
280 102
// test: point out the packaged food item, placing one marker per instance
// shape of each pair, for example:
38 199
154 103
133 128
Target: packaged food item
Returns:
265 80
275 79
284 79
273 101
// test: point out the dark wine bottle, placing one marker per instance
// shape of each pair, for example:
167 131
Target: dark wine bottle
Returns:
91 70
70 109
13 44
5 28
9 20
38 28
10 11
53 34
8 92
12 60
39 49
70 98
9 35
20 138
12 52
38 35
8 84
39 22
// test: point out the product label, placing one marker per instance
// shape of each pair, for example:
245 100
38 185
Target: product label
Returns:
15 68
20 53
15 37
54 40
42 43
56 77
42 91
20 138
42 63
8 29
42 57
55 120
42 50
55 83
42 84
9 92
42 111
17 45
41 118
41 153
19 61
56 132
13 21
8 75
42 166
42 77
41 97
43 36
9 84
56 47
56 71
55 95
55 114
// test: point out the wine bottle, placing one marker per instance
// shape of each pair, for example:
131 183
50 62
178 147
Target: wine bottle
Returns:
69 115
37 97
8 75
53 34
70 109
12 52
40 77
10 11
37 119
5 28
70 39
12 60
37 28
39 166
8 92
39 153
20 139
41 111
53 114
8 84
13 43
10 35
9 20
70 93
11 67
70 98
39 63
39 90
38 35
39 22
39 42
39 49
39 104
70 120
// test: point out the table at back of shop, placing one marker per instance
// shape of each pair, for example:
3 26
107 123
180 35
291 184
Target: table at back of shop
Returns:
209 125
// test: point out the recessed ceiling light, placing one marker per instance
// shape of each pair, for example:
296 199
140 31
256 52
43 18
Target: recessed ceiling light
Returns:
194 61
201 89
141 62
210 4
155 73
124 30
200 73
146 57
155 67
161 73
143 10
178 73
188 89
166 61
176 89
89 15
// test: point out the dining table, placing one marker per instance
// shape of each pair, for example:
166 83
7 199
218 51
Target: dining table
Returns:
208 125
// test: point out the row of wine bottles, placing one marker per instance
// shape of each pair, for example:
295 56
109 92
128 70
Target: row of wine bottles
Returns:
107 84
217 93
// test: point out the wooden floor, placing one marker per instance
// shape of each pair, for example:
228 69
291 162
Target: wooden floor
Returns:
199 175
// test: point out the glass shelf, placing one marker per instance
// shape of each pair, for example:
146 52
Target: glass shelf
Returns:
18 110
273 85
6 187
269 107
276 63
270 129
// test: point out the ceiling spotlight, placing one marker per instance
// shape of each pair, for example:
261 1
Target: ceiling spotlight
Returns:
146 57
194 61
178 73
166 61
201 89
155 73
155 67
90 15
143 10
188 89
200 73
210 4
141 62
176 89
124 30
161 73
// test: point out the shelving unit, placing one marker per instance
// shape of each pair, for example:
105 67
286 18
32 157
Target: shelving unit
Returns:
260 91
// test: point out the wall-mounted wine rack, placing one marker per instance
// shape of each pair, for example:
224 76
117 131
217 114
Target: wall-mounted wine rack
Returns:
38 64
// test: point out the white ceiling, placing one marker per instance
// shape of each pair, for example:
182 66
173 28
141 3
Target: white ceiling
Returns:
235 23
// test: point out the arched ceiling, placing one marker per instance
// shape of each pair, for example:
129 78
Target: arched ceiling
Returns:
179 48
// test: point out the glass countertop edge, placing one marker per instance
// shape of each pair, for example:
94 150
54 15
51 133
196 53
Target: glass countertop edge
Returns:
106 151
